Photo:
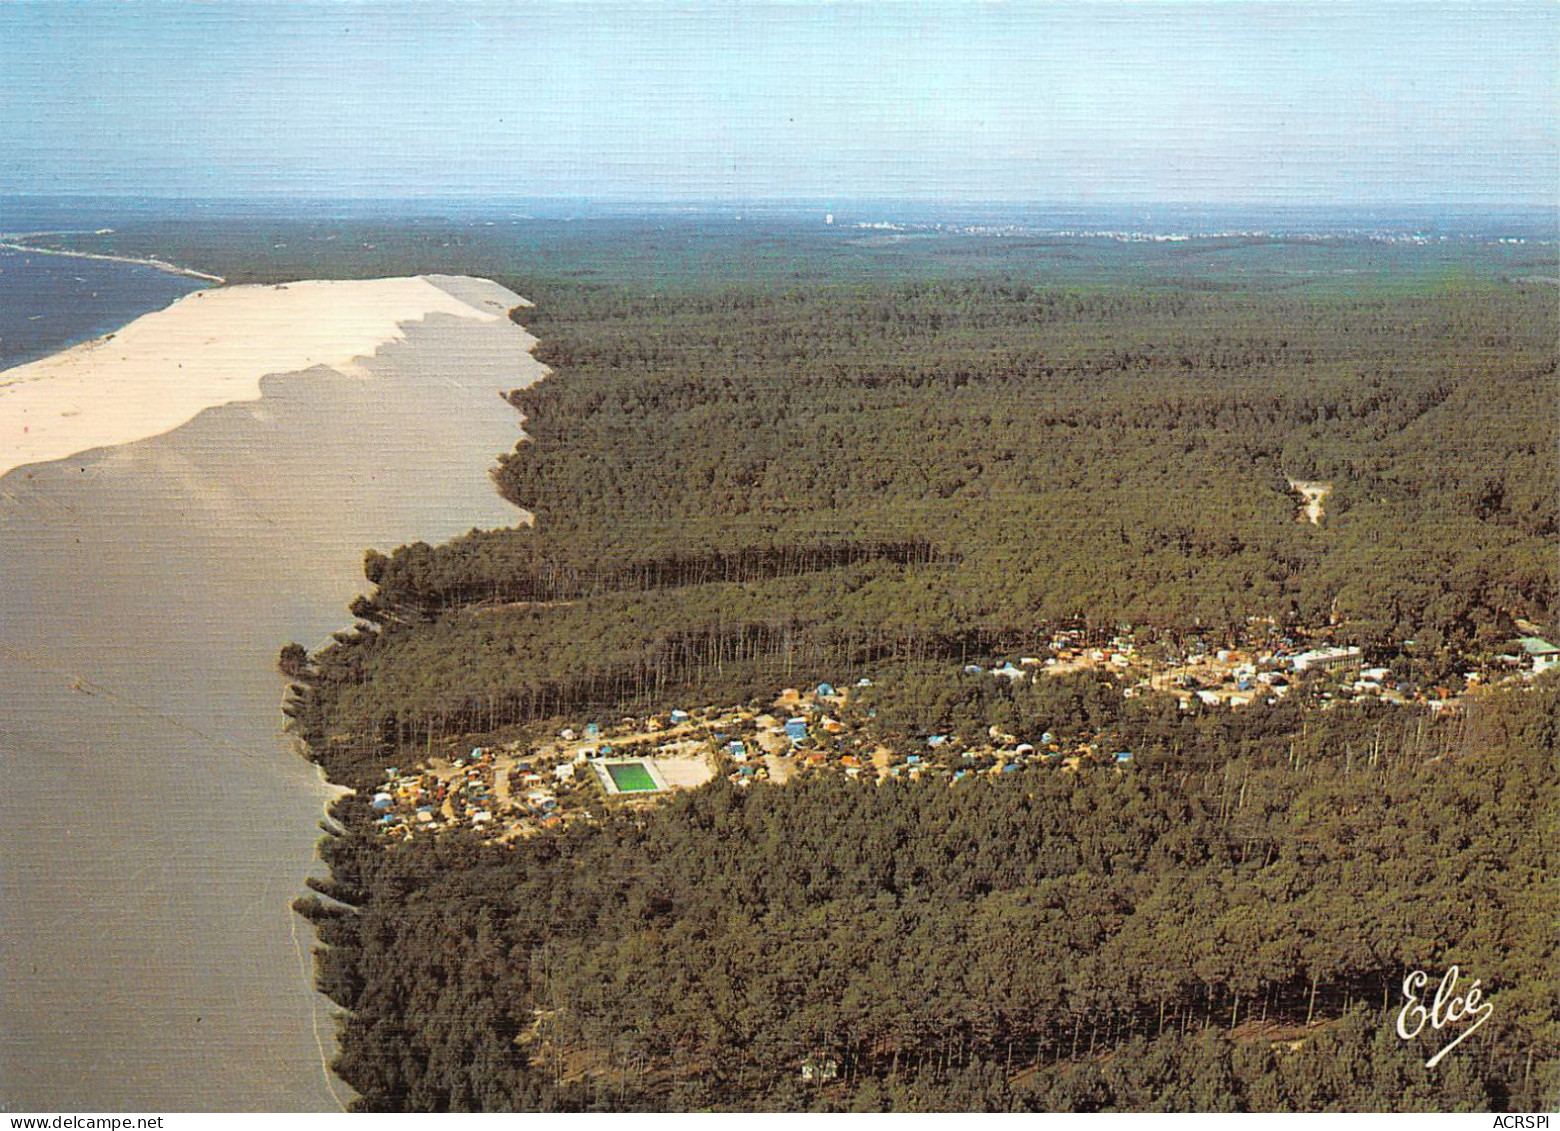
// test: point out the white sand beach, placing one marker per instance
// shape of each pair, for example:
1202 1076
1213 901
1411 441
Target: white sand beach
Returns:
210 348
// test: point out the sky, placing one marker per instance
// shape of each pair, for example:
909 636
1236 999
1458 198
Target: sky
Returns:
1238 101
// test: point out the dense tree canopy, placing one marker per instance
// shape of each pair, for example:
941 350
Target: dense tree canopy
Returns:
830 460
734 487
1153 939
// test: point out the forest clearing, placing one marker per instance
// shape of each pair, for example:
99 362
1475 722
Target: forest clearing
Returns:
1314 495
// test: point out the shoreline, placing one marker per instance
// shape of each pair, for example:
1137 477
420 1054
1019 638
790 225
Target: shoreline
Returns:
209 348
16 242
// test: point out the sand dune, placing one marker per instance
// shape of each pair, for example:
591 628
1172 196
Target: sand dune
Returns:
211 348
156 823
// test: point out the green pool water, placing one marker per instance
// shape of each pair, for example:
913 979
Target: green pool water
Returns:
631 777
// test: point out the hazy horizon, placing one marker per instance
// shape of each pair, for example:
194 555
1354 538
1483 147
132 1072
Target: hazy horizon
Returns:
786 201
1234 103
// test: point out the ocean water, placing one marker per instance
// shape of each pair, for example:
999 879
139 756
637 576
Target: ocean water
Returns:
156 821
48 302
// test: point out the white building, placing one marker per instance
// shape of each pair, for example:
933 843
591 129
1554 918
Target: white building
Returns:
1328 659
1540 653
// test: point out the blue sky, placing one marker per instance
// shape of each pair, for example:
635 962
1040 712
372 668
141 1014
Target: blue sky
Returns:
1104 102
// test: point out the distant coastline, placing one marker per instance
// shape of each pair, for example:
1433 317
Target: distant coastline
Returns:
17 241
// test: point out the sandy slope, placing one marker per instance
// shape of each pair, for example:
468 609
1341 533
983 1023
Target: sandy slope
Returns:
209 348
155 823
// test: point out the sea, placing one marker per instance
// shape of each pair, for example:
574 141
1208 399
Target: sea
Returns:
49 302
156 820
